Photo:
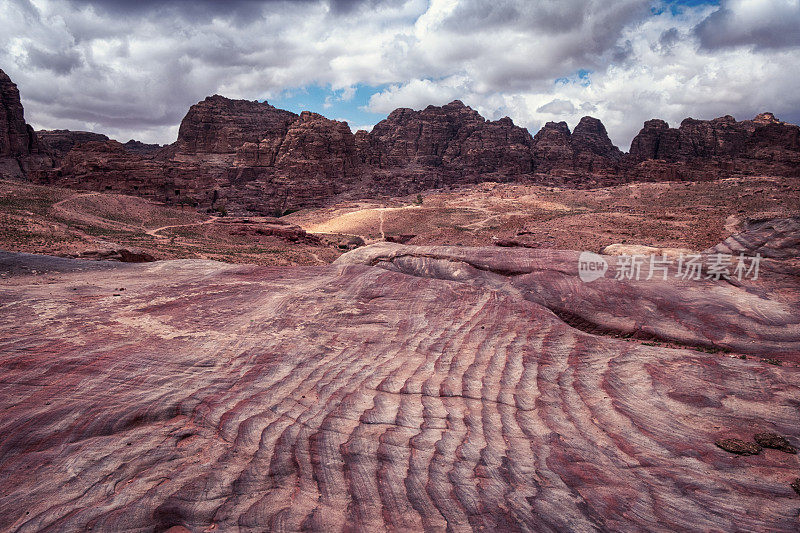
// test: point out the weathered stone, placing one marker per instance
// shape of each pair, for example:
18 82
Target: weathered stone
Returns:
774 441
20 151
433 392
739 447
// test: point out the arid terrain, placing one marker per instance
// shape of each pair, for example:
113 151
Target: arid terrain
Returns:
443 324
690 215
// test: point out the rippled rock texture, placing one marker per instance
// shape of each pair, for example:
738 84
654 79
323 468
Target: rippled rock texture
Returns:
399 389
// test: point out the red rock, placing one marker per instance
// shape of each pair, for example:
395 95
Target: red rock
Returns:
219 397
138 147
59 142
256 159
739 447
219 125
588 149
707 313
774 441
20 151
722 146
451 137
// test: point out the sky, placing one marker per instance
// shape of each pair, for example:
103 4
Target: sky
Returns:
132 69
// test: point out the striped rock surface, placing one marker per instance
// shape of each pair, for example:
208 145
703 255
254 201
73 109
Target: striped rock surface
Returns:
207 396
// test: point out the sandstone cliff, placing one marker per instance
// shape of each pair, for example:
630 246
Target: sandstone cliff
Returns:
20 151
256 158
60 142
722 146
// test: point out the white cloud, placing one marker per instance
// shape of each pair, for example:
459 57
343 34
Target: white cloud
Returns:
557 107
132 70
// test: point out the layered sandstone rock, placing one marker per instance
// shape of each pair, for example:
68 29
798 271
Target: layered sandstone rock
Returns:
60 142
587 149
440 389
20 151
219 125
721 146
453 137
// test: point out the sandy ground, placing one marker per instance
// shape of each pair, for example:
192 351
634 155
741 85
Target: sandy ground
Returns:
691 215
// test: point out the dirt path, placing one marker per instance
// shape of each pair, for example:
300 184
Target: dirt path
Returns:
74 197
154 232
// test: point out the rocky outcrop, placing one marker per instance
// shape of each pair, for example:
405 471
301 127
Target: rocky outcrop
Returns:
451 137
552 148
138 147
20 151
257 159
312 146
587 149
109 166
722 146
59 142
441 389
594 151
219 125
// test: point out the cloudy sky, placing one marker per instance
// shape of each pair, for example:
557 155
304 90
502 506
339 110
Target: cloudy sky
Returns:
132 69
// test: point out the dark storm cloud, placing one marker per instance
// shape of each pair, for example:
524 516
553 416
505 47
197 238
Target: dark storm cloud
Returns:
241 10
60 61
768 24
551 17
132 69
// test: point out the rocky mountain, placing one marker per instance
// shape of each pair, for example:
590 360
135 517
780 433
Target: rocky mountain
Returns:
258 159
713 148
60 142
218 125
20 150
138 147
588 149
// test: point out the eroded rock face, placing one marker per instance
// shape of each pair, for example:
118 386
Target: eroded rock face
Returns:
587 149
106 165
722 146
219 125
256 159
436 390
20 151
138 147
453 137
62 141
421 137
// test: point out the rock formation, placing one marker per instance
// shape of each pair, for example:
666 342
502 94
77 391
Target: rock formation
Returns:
138 147
452 136
258 159
722 146
219 125
20 151
403 388
580 154
60 142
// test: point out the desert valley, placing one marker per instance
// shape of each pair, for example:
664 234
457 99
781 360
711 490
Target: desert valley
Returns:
445 323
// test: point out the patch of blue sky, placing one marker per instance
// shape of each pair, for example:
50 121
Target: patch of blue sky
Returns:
580 77
676 7
348 104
